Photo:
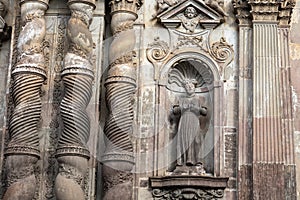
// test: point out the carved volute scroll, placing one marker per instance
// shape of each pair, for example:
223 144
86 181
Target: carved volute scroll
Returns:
77 77
191 24
28 75
120 86
223 53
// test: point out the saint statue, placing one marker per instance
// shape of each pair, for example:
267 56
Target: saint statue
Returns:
186 112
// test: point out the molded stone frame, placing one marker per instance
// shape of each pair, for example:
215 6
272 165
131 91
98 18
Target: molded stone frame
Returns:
195 45
164 142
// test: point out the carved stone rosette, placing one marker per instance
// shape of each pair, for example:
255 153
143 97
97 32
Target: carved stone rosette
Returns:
120 92
77 76
28 75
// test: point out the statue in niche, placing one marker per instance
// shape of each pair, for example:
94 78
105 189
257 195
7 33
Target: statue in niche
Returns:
185 117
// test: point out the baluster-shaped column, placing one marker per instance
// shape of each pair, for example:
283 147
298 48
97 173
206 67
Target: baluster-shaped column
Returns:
245 99
77 76
120 85
28 75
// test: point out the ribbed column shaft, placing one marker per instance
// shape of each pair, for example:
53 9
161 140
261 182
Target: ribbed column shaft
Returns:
245 112
287 118
245 96
266 94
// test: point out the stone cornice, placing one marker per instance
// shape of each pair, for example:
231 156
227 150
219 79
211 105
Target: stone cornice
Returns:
285 12
264 10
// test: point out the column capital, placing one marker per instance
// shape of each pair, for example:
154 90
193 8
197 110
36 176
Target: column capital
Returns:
242 10
285 12
89 2
264 10
46 2
125 5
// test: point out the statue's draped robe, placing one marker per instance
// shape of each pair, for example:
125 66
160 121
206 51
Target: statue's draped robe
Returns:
189 136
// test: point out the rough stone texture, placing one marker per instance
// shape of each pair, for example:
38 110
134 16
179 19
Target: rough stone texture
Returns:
230 155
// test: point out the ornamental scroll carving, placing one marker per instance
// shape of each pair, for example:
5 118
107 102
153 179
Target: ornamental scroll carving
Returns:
77 77
28 75
223 53
191 24
159 52
188 187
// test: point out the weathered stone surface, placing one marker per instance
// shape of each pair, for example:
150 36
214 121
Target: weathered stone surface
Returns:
99 124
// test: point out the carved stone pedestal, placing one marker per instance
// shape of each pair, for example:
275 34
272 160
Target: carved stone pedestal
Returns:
188 187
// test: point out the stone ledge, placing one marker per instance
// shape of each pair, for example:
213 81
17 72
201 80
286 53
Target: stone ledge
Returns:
188 187
188 181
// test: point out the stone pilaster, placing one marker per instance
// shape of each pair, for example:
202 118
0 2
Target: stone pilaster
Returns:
120 86
287 128
270 143
28 75
77 77
242 9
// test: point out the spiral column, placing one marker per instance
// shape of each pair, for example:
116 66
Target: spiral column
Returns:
28 75
77 77
120 86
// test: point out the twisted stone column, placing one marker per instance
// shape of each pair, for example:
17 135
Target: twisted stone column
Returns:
120 85
28 75
77 76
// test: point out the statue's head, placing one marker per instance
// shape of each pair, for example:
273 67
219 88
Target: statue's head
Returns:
190 86
190 12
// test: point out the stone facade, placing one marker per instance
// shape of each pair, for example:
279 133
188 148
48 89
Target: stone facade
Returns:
144 99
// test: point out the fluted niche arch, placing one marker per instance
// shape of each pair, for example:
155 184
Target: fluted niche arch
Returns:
200 67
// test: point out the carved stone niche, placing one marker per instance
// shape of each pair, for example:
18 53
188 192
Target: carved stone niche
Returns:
197 174
191 16
187 187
